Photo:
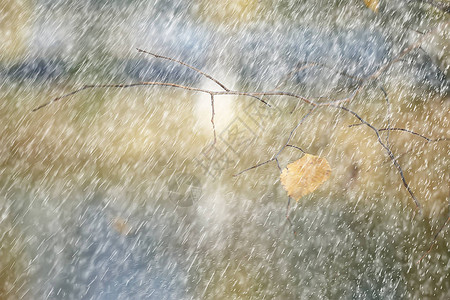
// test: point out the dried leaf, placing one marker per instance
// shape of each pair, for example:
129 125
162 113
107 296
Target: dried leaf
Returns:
121 226
372 4
305 175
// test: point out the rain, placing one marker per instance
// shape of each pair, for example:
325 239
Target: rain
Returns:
142 143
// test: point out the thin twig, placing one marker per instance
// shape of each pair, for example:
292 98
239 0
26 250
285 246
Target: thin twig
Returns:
187 65
375 75
121 86
212 118
402 54
254 167
298 148
278 164
332 103
269 93
389 152
303 65
434 240
156 83
415 133
408 131
295 128
275 157
388 114
195 69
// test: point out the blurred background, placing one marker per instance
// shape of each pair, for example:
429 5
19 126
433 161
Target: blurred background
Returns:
121 193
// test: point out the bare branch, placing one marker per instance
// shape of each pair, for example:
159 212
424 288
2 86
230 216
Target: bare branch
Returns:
195 69
415 133
408 131
226 91
187 65
61 97
388 114
155 83
295 128
121 86
336 103
303 65
402 54
278 164
212 118
298 148
389 152
434 240
255 94
254 167
275 157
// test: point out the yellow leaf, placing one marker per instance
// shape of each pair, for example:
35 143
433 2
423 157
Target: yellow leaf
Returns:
372 4
305 175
